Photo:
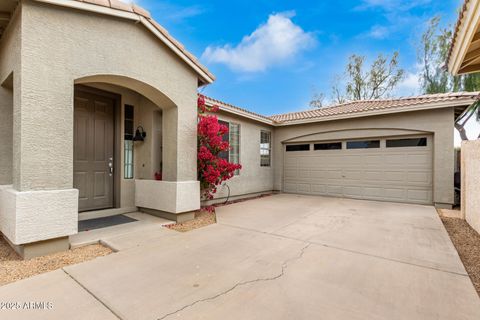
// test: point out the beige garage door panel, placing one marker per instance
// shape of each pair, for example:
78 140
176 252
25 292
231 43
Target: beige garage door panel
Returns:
389 174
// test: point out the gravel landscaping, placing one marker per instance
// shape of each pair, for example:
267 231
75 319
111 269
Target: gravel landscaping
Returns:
467 243
202 219
13 268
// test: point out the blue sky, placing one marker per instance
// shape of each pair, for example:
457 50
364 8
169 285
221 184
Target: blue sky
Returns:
271 56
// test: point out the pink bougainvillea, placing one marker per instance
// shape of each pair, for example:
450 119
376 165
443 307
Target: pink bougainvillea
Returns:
212 169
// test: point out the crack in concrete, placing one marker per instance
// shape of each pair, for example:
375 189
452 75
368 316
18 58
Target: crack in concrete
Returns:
91 293
281 274
326 245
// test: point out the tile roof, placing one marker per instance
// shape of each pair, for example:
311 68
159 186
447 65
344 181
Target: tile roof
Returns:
461 15
355 108
133 8
375 106
211 101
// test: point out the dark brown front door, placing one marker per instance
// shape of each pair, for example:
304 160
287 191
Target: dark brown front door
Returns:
93 150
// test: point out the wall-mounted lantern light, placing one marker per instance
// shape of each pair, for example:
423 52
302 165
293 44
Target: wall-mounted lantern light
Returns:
140 134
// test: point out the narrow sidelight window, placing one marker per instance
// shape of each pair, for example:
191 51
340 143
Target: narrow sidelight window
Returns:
371 144
298 147
400 143
265 148
128 144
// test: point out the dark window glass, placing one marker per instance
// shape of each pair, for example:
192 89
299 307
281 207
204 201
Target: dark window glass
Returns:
399 143
298 147
129 122
328 146
372 144
226 137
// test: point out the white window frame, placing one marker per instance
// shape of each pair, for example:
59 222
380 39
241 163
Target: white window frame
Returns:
237 172
269 149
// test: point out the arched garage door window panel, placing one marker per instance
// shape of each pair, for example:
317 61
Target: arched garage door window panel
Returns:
403 143
370 144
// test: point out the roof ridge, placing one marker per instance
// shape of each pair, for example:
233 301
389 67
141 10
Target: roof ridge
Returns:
235 107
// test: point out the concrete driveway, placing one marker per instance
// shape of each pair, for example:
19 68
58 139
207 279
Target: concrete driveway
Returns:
279 257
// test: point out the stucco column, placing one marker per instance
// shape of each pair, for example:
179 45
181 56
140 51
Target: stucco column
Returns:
42 203
180 142
43 150
170 139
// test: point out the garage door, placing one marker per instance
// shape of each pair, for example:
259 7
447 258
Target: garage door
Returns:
397 169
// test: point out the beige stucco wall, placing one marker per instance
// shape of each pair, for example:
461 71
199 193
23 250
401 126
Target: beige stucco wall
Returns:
252 178
9 77
471 183
94 45
439 122
6 130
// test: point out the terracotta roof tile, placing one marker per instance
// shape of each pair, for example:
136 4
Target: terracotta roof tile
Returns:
355 107
119 5
139 10
364 106
212 101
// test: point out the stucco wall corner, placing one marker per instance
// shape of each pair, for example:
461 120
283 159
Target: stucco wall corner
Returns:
168 196
7 216
471 183
33 216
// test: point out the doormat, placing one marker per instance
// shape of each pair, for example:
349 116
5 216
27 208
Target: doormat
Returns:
105 222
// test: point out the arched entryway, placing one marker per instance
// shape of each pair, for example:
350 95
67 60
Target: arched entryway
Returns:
121 131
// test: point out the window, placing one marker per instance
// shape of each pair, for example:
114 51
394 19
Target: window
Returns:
328 146
265 148
400 143
372 144
234 145
128 144
233 138
298 147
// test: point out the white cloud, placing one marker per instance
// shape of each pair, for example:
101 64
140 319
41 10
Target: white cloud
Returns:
277 41
378 32
409 86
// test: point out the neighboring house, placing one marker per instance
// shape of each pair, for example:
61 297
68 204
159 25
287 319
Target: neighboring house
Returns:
96 97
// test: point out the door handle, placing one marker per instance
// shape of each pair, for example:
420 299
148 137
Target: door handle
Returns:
110 166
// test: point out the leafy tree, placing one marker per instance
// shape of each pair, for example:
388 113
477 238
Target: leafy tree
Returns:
362 82
317 101
435 78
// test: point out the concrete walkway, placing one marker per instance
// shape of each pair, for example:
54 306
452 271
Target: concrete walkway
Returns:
280 257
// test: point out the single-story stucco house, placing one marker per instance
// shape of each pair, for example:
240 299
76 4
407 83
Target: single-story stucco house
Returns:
96 97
